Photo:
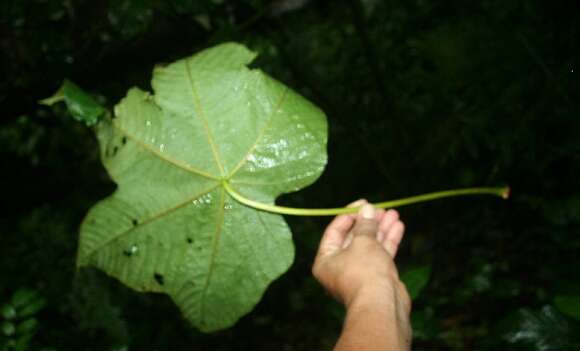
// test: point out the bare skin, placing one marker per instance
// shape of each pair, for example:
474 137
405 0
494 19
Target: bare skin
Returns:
355 264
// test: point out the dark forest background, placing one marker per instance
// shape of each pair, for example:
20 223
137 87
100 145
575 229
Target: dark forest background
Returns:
421 95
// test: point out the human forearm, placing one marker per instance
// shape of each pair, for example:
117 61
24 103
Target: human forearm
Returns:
355 264
376 320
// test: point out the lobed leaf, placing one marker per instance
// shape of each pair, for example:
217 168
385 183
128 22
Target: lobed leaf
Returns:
171 227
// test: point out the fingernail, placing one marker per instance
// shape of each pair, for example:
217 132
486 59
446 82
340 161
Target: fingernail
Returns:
367 211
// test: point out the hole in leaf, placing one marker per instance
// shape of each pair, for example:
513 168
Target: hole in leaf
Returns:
124 140
134 221
189 240
159 278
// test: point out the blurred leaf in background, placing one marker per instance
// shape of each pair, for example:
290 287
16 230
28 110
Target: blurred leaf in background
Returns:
542 330
568 304
81 105
416 279
18 324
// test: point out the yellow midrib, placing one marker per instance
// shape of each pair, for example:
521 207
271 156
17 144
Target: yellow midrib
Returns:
162 156
214 251
260 134
153 217
199 112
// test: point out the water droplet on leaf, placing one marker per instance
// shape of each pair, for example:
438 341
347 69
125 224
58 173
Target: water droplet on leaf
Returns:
131 250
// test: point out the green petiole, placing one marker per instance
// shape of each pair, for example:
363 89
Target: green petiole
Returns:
497 191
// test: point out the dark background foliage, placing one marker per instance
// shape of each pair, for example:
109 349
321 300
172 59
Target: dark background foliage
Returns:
421 95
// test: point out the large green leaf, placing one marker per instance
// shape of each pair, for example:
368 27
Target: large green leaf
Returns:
171 226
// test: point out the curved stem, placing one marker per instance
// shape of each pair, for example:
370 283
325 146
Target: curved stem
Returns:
497 191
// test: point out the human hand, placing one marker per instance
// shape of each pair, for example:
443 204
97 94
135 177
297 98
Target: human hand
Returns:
355 264
355 257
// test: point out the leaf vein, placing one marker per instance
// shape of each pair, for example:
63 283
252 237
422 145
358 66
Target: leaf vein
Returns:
215 244
152 218
243 182
164 157
197 107
261 134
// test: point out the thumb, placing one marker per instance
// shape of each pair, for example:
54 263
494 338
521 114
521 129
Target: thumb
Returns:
366 222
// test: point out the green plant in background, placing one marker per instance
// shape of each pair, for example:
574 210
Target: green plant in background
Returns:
568 304
81 105
544 329
18 323
416 279
199 164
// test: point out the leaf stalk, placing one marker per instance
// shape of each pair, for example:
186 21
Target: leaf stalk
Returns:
497 191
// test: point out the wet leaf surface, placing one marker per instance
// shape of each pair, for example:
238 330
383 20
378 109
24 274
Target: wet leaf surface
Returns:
171 227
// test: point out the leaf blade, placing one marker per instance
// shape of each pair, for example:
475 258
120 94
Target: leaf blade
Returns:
170 227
